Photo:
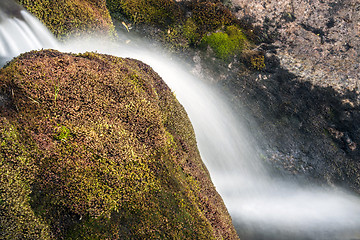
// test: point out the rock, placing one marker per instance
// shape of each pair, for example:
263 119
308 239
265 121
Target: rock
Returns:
72 18
307 101
97 147
304 129
318 40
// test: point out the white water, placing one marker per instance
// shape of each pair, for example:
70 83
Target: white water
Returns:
263 207
21 34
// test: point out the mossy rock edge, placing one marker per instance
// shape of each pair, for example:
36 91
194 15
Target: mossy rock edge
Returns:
97 147
69 18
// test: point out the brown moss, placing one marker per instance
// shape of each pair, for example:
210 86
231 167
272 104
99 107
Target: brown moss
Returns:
112 152
72 17
210 16
254 60
156 12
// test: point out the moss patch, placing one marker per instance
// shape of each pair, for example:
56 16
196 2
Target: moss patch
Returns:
102 151
226 43
158 12
17 172
72 17
185 24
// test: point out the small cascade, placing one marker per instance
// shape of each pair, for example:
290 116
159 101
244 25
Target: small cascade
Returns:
21 32
262 206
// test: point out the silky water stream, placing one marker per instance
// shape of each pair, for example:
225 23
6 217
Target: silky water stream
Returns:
262 206
21 32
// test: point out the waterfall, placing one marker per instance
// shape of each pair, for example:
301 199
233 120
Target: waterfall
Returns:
21 32
262 206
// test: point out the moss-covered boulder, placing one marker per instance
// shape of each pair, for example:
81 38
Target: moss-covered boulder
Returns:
97 147
72 17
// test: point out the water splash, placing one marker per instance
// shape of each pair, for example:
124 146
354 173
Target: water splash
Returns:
262 206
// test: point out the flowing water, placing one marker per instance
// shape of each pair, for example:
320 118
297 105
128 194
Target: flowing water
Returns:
262 206
20 32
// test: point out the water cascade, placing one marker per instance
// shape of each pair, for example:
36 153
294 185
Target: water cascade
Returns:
262 206
21 32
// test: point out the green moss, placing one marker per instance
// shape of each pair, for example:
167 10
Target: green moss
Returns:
177 30
221 44
157 12
114 158
191 31
72 17
62 133
228 43
17 171
174 35
258 62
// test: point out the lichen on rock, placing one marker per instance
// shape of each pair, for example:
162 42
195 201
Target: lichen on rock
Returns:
97 147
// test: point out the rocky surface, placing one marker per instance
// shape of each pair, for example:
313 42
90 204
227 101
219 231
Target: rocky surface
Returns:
304 130
97 147
318 40
306 100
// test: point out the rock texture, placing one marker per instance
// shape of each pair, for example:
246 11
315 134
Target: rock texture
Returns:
304 130
318 40
306 101
97 147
